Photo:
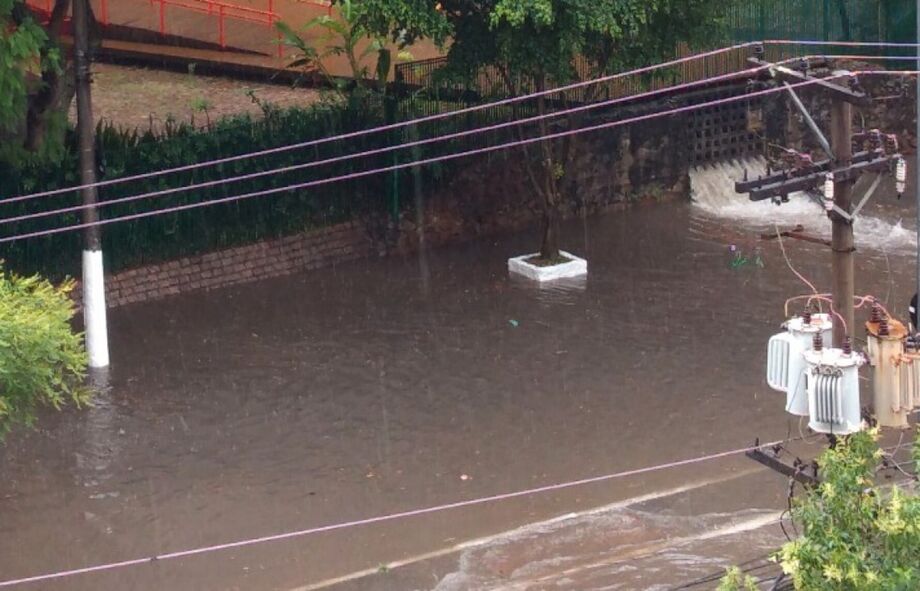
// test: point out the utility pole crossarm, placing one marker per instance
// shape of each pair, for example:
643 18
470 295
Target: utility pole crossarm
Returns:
780 184
820 166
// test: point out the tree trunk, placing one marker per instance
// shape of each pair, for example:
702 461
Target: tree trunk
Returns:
54 98
58 85
549 250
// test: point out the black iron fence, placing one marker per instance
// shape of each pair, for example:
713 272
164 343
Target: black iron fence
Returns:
427 87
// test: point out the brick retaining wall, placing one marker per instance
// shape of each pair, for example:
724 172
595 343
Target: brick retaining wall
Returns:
243 264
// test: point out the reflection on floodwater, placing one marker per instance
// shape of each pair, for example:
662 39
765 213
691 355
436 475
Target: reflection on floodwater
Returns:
376 386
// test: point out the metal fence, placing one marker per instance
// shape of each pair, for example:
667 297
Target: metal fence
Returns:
823 20
428 90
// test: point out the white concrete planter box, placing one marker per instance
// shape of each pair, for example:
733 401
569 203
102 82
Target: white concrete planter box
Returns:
574 267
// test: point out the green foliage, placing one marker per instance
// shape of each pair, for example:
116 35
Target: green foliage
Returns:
20 56
50 150
154 239
735 580
533 45
916 452
346 35
42 361
403 21
534 38
26 53
855 535
201 104
167 237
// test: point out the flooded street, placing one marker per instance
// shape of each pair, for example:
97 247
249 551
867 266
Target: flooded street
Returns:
388 385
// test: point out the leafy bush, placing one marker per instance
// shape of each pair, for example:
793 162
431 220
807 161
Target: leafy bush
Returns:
856 536
735 580
42 361
153 239
165 237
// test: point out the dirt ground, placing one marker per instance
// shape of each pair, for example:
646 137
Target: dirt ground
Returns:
138 97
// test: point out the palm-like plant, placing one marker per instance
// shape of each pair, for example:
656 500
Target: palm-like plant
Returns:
343 36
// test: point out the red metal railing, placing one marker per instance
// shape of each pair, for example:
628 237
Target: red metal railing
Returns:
225 10
220 9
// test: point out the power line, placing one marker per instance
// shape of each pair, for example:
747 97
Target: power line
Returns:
385 149
488 149
382 128
426 141
379 519
382 518
843 43
438 116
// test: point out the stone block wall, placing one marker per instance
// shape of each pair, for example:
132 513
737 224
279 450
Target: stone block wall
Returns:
610 169
892 109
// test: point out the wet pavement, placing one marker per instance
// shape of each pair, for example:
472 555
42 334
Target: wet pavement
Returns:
387 385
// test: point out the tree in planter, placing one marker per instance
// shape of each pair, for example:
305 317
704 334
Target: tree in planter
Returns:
37 82
42 361
534 45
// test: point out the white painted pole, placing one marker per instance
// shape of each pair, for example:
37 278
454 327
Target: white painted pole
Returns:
97 340
94 314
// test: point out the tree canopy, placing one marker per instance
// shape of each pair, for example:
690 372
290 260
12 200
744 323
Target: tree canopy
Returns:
546 36
537 44
36 80
21 43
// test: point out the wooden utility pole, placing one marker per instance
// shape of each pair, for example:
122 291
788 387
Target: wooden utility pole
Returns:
85 121
878 154
94 312
842 243
917 159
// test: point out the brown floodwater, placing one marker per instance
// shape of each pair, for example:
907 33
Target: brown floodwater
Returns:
385 385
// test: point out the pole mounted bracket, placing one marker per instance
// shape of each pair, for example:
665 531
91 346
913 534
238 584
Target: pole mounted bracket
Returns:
842 214
825 145
869 193
802 472
785 74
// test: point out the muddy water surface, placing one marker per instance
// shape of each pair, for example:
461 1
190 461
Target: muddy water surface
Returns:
387 385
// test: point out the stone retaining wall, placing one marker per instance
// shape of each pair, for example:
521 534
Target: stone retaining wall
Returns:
892 110
271 258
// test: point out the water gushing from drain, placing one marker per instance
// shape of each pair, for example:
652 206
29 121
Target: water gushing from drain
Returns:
713 194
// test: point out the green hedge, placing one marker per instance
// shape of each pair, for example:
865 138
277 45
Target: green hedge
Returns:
164 237
123 153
